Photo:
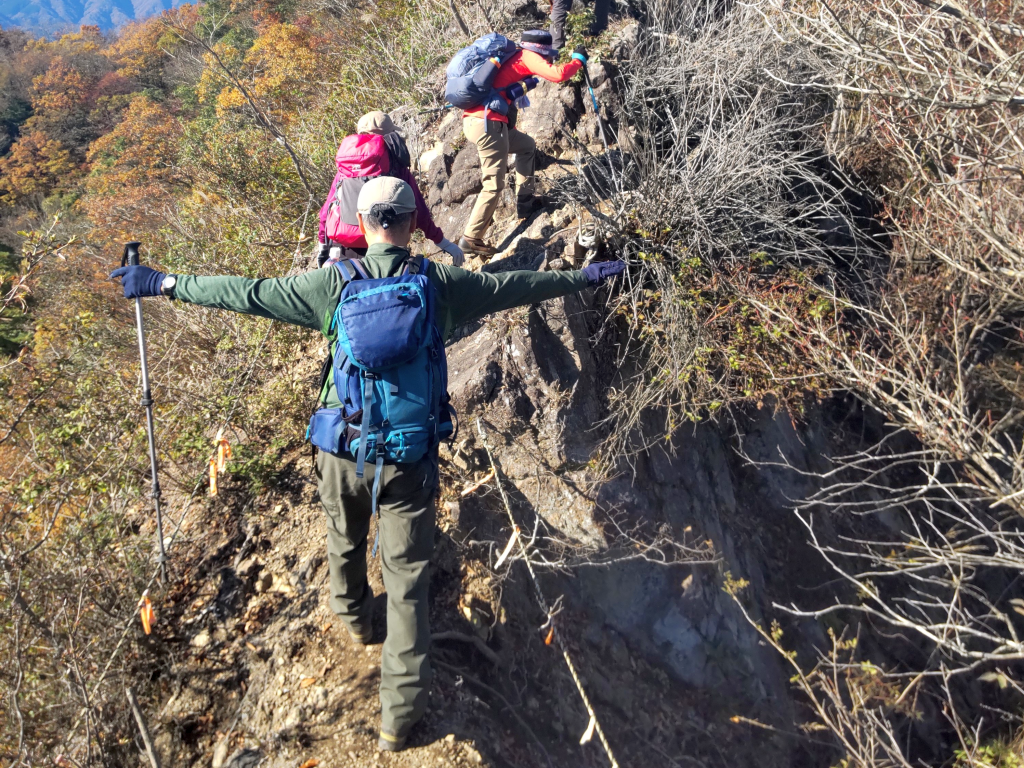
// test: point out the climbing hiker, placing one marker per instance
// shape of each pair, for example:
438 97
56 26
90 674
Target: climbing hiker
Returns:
376 149
495 135
363 314
560 10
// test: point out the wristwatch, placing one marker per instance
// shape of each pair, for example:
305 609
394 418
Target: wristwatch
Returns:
167 286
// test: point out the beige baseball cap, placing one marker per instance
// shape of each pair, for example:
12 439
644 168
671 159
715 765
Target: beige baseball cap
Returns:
389 191
376 122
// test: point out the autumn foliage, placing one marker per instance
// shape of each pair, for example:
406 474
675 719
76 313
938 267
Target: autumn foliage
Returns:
207 133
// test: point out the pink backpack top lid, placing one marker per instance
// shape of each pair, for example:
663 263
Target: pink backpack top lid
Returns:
362 154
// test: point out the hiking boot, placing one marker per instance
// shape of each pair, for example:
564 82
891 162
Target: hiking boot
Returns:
525 206
479 247
360 635
389 743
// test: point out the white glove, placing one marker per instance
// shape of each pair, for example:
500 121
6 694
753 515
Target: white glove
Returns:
458 257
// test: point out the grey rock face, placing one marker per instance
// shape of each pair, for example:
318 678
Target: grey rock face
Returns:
626 41
465 176
438 174
537 376
551 105
244 758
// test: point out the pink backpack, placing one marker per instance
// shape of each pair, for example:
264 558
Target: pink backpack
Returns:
360 157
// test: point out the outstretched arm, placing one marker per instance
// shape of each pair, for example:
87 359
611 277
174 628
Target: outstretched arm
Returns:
471 295
307 300
531 63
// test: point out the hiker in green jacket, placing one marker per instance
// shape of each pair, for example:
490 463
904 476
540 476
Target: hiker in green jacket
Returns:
387 216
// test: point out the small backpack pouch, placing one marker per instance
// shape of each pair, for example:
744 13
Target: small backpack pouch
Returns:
385 326
326 429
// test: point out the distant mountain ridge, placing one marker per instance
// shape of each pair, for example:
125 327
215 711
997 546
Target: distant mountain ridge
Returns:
52 16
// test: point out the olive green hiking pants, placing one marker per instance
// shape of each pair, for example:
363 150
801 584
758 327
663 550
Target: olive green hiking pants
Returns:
406 509
494 141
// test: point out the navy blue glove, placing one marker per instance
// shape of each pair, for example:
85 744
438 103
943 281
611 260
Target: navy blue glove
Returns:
139 281
602 270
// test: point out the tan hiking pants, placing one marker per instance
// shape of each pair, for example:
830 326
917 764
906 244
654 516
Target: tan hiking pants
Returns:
495 141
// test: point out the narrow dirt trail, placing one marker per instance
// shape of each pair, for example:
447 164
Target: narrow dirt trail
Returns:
267 675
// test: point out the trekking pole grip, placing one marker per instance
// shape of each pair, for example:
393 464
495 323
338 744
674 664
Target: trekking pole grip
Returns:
131 254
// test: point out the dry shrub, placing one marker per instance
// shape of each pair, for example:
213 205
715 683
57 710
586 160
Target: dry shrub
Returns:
724 182
922 525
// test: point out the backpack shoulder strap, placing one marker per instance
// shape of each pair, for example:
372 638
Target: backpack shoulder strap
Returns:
353 269
415 265
360 269
347 270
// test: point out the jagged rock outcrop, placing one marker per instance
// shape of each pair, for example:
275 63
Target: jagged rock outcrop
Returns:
552 107
536 380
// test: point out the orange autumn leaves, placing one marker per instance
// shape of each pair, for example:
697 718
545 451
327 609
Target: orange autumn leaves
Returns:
75 89
134 170
35 165
41 159
278 70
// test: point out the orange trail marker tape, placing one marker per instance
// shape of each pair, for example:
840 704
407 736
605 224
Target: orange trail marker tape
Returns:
146 613
223 452
213 476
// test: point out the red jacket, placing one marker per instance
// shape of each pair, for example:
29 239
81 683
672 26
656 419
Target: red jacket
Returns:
522 65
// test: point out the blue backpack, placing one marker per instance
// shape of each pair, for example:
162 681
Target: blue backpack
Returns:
472 70
390 371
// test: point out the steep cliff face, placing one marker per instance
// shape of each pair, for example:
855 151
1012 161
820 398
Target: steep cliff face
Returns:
535 381
536 378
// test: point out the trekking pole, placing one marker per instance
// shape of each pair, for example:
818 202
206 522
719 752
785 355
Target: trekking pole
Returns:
600 125
131 257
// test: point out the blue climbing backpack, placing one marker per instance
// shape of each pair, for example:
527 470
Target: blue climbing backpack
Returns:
389 368
472 70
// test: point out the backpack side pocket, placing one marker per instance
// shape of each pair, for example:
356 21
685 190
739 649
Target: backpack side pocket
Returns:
325 429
